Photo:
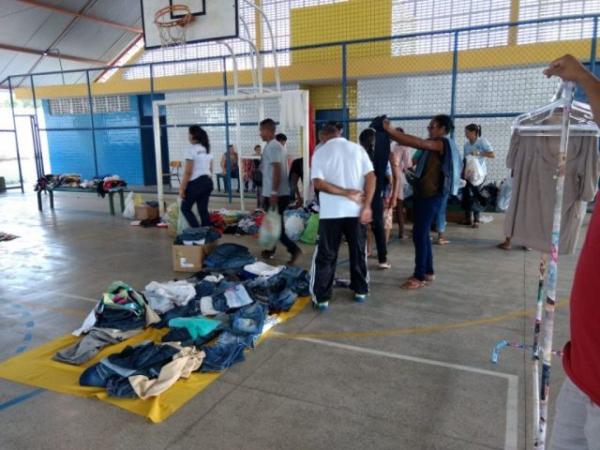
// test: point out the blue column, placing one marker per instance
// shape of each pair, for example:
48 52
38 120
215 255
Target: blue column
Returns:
12 109
345 90
228 184
454 78
91 103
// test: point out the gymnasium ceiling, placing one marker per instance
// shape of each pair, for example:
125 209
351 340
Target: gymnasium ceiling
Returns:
85 33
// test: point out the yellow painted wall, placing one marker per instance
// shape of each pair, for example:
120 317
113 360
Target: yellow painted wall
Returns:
354 19
346 21
330 97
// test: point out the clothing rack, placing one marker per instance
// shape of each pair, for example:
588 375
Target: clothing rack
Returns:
548 265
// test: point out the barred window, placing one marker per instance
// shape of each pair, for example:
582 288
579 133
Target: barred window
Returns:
81 105
417 16
556 31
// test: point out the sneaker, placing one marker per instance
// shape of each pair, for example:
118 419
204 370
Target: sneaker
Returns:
360 298
384 266
320 306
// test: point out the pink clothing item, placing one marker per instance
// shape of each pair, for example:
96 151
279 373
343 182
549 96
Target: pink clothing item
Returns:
401 156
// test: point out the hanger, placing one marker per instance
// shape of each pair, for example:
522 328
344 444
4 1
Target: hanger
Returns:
580 115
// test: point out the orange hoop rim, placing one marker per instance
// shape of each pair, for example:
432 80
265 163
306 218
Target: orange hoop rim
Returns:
180 22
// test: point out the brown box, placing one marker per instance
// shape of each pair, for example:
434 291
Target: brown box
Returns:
189 258
146 212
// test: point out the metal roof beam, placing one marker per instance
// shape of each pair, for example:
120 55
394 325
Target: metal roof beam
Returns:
60 10
49 54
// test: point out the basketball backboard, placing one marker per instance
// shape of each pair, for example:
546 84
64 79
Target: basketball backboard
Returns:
213 20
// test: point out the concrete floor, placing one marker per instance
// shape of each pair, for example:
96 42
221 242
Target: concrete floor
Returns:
406 370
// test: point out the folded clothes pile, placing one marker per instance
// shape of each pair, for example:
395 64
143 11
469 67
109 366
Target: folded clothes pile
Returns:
212 318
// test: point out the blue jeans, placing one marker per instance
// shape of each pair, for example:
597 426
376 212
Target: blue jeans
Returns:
440 220
425 210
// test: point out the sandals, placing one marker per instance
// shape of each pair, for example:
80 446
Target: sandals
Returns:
441 241
504 246
412 284
430 278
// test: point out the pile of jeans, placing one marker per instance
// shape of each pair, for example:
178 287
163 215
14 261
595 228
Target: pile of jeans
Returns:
213 317
197 236
245 326
143 371
229 257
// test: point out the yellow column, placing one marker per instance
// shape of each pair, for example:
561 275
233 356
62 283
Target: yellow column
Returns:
258 26
514 17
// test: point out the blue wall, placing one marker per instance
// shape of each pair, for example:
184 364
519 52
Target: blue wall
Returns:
119 152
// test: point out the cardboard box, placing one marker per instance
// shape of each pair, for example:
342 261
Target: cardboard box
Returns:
146 212
189 258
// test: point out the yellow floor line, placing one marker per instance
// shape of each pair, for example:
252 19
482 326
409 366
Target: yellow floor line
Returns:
413 330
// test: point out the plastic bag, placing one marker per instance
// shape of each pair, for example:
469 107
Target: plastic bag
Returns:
129 211
182 224
294 227
311 231
475 172
270 231
504 195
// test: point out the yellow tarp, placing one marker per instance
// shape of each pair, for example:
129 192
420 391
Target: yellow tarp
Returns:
36 368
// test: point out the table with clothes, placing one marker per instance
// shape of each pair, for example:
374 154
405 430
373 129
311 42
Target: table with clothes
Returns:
212 318
101 185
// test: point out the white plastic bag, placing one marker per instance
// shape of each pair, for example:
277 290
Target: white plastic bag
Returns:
129 211
294 227
270 230
475 172
504 194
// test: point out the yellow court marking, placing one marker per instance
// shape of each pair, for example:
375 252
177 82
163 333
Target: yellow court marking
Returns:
414 330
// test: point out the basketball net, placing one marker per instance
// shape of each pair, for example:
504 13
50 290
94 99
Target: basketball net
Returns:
172 32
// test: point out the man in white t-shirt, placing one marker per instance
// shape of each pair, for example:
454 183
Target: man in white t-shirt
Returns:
343 174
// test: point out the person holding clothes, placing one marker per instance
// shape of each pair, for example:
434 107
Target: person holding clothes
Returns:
577 419
480 148
197 185
343 174
377 144
380 202
436 178
400 158
274 181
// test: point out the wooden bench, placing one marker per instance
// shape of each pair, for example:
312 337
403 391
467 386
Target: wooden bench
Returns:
111 193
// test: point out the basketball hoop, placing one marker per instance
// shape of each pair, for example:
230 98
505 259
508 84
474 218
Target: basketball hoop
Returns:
172 31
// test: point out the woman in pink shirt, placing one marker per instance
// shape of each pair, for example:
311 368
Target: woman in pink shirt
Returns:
401 158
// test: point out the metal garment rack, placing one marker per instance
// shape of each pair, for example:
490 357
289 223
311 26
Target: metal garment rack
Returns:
547 284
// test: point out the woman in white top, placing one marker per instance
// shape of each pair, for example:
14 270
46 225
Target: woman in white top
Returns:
480 148
197 183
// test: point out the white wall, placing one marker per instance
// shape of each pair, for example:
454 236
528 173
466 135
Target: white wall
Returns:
496 91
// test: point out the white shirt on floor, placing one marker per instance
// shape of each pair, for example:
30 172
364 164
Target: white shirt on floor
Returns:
343 164
201 158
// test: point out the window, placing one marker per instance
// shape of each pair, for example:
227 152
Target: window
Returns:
417 16
81 105
278 12
552 31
